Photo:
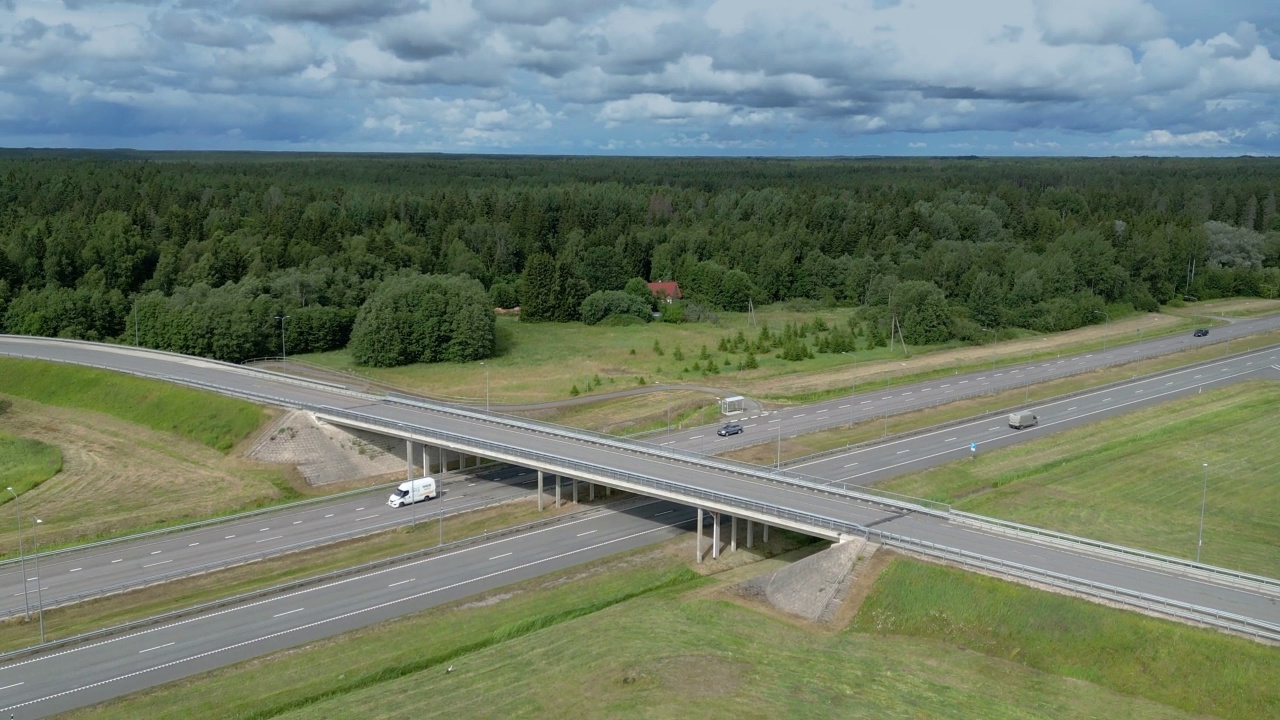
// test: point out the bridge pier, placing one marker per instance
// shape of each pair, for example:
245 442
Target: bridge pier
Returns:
574 482
697 539
715 535
766 532
750 533
557 477
591 492
733 533
408 460
539 491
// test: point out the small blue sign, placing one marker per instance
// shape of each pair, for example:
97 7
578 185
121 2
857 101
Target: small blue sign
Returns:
973 447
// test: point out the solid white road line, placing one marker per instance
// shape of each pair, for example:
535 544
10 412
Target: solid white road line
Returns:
498 557
401 582
156 647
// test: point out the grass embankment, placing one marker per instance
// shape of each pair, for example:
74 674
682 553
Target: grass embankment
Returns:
642 636
135 454
24 464
1137 480
147 602
212 420
804 445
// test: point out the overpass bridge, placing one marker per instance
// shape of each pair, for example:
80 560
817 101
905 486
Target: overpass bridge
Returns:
1229 600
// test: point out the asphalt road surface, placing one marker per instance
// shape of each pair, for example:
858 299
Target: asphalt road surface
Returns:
872 401
59 681
75 573
756 488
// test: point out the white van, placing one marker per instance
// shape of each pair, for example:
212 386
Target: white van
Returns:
424 488
1023 419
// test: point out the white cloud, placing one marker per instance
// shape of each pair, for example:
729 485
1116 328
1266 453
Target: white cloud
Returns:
1163 139
658 74
1098 22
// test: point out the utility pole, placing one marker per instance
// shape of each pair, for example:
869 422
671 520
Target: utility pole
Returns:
22 558
39 593
282 318
1204 494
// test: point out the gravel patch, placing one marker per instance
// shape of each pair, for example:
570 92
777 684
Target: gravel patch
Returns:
325 453
808 586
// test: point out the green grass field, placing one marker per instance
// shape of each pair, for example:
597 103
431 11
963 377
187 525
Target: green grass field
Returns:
642 636
546 361
213 420
25 464
1137 480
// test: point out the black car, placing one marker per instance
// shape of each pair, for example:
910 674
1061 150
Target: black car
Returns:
1201 332
730 429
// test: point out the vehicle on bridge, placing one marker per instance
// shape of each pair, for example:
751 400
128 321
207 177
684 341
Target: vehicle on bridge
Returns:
423 488
1023 419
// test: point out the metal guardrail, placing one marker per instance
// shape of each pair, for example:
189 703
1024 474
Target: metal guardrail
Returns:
253 557
1257 629
284 587
872 495
996 526
666 487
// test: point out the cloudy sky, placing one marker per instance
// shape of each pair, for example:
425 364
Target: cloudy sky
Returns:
646 77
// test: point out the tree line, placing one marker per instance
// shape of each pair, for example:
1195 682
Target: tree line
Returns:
203 252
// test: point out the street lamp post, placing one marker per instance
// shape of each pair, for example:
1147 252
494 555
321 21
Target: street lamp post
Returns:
486 386
994 340
35 540
779 443
1104 336
22 558
282 318
1204 494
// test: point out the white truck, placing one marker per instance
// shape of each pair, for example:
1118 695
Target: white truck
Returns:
1023 419
423 488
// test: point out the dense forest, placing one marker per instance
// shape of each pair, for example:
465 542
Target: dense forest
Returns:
205 253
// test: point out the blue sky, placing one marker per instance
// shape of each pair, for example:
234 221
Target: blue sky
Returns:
649 77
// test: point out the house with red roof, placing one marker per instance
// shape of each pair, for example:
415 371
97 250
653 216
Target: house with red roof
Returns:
667 291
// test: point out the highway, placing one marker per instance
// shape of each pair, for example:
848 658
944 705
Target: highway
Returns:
63 680
873 400
753 487
89 570
117 669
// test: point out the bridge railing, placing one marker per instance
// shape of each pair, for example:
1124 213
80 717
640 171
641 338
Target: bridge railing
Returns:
1186 611
1042 536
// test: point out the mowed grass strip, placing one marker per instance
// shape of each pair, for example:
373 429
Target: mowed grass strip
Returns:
1137 480
25 463
1199 671
641 636
213 420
